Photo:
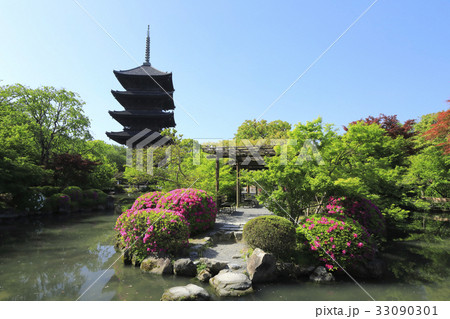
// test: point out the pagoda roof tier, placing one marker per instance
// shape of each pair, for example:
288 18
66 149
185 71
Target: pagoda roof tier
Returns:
144 78
144 100
139 120
123 136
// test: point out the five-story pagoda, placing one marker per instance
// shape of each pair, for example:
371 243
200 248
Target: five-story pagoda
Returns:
147 100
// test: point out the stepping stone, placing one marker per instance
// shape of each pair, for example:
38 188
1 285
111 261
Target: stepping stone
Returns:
230 283
187 293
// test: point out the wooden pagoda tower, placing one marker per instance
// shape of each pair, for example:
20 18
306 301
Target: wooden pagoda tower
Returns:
147 100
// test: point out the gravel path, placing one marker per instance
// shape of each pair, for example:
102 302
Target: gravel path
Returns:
233 252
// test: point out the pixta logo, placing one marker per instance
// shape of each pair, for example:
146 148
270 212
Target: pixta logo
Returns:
146 141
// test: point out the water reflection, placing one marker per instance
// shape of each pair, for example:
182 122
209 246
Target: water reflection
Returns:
56 260
59 258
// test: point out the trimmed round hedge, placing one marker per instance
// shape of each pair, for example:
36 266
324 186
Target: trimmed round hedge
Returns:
361 210
92 197
149 200
152 231
195 205
57 202
75 193
273 234
335 237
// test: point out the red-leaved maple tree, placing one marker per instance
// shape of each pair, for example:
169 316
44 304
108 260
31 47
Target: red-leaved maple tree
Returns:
441 130
391 125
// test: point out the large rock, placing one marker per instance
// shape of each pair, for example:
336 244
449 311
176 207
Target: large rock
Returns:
238 236
214 265
204 275
221 236
184 267
320 274
186 293
229 283
261 266
160 266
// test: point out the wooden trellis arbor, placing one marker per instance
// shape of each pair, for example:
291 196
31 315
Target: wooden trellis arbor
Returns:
248 157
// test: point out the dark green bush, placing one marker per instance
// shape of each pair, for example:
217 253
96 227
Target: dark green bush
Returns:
31 201
47 191
76 196
273 234
57 202
93 198
75 193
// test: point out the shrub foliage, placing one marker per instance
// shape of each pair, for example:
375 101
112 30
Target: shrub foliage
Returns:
75 193
195 205
336 237
272 234
363 211
152 231
149 200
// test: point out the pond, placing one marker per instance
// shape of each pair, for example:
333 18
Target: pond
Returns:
59 257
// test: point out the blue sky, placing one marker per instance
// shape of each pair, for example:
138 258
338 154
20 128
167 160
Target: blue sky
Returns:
231 59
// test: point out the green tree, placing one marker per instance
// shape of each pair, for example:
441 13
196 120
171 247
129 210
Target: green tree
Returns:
365 161
55 117
429 170
111 159
254 130
373 167
298 178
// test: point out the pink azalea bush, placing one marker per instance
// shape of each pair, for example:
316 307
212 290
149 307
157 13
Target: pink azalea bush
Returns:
152 231
195 205
335 237
361 210
149 200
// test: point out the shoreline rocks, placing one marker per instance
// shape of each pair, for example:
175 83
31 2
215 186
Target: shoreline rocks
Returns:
261 266
190 292
320 275
228 283
184 267
159 266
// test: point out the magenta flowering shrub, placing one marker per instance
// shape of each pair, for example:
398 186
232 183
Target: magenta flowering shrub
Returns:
195 205
361 210
152 231
336 237
149 200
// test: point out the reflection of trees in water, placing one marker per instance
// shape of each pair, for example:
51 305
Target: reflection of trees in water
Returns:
419 261
130 283
44 282
59 279
53 259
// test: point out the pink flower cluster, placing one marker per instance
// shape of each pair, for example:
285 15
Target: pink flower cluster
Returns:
148 200
154 230
195 205
361 210
335 237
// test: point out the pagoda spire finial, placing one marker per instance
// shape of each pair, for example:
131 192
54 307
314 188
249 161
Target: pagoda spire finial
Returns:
147 47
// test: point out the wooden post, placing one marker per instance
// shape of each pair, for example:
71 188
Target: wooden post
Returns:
217 181
238 186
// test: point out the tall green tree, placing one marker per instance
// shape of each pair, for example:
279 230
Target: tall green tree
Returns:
429 170
298 178
255 130
55 117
